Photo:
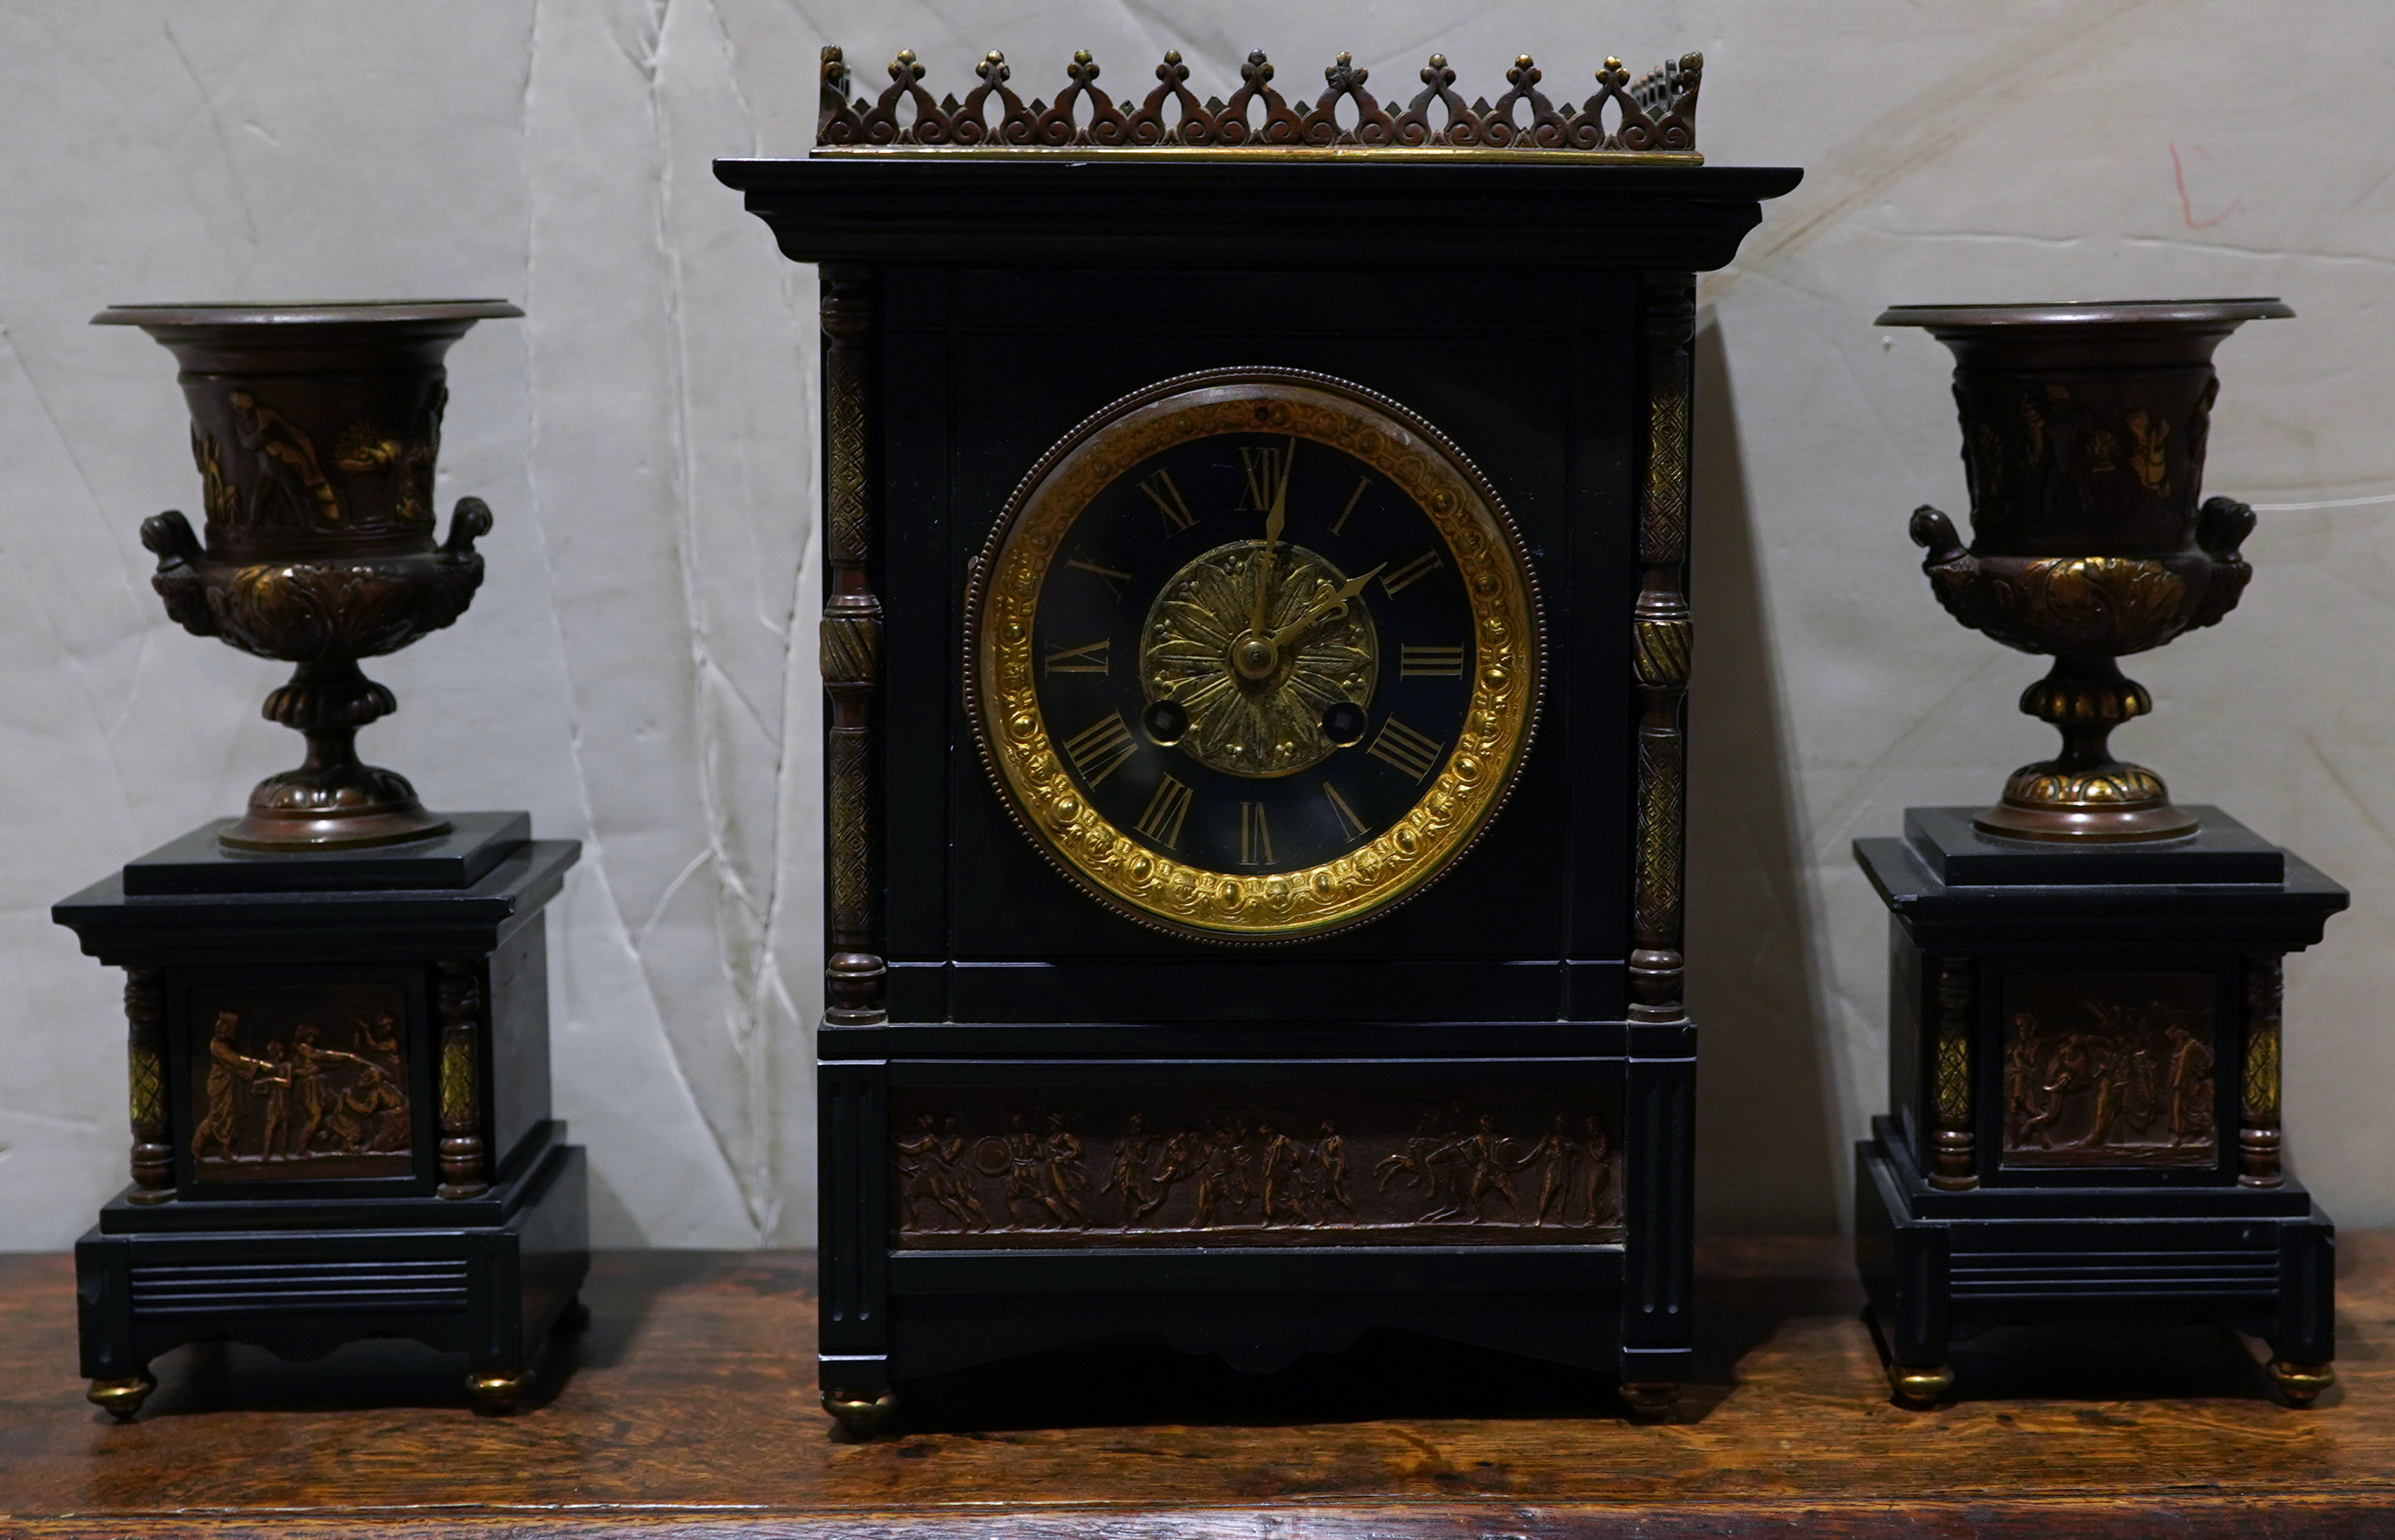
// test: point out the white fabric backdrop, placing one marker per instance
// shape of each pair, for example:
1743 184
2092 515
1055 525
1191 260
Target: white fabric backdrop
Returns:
638 669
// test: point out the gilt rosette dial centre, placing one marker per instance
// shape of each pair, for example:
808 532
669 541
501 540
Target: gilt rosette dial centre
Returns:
1253 655
1256 698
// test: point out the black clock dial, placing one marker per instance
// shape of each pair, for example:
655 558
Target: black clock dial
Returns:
1246 693
1254 654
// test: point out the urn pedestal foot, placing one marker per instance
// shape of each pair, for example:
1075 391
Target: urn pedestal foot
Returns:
334 800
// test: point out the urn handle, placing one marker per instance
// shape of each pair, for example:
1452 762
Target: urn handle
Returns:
468 522
177 581
1954 571
170 536
2222 525
1934 532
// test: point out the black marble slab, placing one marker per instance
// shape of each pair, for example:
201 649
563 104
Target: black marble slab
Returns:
2221 850
475 844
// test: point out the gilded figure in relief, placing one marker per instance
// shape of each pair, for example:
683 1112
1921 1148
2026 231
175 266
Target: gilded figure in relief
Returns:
1330 1154
228 1069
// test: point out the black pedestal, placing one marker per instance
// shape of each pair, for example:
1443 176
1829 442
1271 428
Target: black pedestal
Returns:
2083 1050
340 1106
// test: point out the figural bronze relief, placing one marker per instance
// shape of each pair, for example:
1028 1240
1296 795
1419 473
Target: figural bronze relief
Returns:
2084 431
2110 1070
1253 655
1328 1166
299 1082
315 429
1651 119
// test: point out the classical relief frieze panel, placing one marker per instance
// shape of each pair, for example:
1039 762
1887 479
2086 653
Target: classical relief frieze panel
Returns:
974 1167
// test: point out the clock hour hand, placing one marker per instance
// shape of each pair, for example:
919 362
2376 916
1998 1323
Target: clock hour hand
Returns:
1316 614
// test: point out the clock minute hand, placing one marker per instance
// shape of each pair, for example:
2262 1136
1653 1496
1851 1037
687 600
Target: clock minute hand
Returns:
1314 614
1274 522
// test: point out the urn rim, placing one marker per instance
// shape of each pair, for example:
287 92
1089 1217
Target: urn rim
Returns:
2087 312
307 313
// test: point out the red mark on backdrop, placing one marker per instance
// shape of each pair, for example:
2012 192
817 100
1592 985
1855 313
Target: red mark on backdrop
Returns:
2179 173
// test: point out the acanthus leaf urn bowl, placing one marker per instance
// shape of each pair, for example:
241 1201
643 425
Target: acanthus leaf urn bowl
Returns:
2083 430
315 428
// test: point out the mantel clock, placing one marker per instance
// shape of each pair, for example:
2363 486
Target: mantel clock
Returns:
1256 639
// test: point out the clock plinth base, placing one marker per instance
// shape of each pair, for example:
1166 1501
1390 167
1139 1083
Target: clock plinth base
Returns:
1046 1208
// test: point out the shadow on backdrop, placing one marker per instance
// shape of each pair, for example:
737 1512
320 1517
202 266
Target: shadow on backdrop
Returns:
1766 1159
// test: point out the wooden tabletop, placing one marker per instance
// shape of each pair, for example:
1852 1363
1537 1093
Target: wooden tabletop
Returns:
689 1409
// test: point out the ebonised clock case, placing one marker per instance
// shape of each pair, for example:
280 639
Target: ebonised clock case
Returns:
975 313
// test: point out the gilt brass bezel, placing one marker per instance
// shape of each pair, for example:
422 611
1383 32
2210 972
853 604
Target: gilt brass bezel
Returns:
1400 859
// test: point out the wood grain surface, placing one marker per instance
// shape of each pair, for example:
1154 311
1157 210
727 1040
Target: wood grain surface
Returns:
689 1409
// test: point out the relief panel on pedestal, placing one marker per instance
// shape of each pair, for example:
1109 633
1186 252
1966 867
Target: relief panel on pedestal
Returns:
2110 1070
300 1081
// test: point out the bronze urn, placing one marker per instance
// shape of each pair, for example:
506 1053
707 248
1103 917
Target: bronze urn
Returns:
2083 430
315 428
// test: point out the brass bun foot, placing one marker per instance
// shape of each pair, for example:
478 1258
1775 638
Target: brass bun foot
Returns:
1920 1386
858 1413
2301 1384
1649 1400
497 1395
121 1398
